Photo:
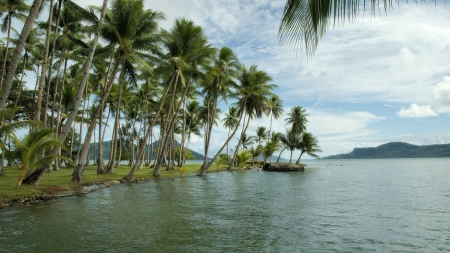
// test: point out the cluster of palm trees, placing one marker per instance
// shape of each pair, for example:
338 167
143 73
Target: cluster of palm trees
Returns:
295 138
138 75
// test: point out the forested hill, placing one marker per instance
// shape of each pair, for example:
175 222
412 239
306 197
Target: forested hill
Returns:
107 149
397 150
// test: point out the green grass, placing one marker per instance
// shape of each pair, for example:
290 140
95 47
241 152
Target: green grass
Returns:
57 181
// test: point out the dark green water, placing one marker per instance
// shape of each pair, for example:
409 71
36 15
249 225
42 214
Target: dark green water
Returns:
399 205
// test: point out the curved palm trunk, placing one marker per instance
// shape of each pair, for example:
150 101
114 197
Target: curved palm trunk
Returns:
6 49
100 165
36 176
210 126
44 64
205 170
81 126
290 159
278 159
129 176
230 167
79 169
55 92
163 143
298 160
12 66
50 69
112 157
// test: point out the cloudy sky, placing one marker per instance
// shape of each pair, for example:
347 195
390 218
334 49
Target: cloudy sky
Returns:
376 80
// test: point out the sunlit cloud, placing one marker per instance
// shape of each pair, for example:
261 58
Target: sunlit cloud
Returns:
416 111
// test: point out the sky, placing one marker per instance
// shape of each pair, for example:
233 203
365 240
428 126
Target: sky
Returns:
379 79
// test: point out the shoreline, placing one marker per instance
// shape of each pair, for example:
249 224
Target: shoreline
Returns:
54 192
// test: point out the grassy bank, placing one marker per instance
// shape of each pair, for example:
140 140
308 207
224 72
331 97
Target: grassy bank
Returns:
56 181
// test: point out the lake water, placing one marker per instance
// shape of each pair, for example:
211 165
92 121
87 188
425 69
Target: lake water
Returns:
395 205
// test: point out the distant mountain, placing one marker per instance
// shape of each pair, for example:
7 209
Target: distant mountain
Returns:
107 149
397 150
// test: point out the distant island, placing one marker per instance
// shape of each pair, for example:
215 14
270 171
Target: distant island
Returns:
397 150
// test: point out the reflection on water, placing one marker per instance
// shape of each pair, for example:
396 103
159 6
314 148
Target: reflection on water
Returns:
335 205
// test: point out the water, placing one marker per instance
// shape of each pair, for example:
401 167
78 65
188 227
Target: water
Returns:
395 205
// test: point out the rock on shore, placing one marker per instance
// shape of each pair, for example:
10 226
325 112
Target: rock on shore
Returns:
283 167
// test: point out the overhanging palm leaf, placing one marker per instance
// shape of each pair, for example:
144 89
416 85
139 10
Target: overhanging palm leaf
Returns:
304 22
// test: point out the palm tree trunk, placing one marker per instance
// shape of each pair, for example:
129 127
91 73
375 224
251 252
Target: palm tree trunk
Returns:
6 50
81 126
210 126
298 160
112 157
100 168
156 171
50 69
16 101
78 172
290 159
205 170
129 176
230 167
58 116
55 92
12 66
278 159
44 64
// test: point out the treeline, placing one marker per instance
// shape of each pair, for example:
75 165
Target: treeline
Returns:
397 150
139 76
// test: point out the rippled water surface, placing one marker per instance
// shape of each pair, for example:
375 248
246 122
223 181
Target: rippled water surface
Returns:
395 205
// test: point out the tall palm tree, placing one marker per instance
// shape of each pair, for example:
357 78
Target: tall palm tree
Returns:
261 133
12 66
309 145
230 121
253 94
297 118
187 51
255 152
290 141
224 69
13 9
269 149
276 111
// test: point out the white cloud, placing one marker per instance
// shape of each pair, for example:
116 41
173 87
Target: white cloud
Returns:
416 111
441 94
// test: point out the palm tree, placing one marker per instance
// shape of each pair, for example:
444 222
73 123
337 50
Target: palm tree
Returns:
290 141
269 149
306 21
261 133
188 50
253 94
247 140
276 111
297 117
230 121
12 66
7 129
309 145
255 152
224 69
13 9
29 150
